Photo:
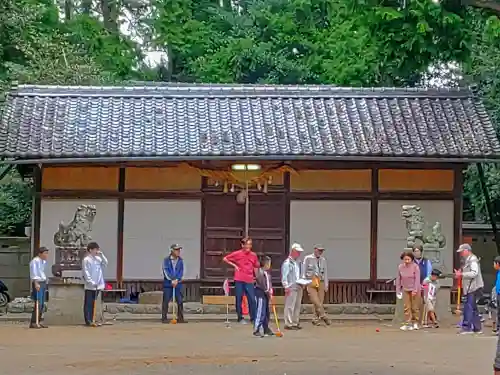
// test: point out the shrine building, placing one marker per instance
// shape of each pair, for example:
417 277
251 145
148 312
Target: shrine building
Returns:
170 163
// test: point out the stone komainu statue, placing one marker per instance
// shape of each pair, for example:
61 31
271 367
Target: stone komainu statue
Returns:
76 234
432 243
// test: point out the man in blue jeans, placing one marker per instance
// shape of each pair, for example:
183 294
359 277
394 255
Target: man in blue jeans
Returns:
38 285
245 262
472 286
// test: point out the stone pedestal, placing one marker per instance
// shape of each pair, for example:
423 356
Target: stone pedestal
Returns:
65 305
443 307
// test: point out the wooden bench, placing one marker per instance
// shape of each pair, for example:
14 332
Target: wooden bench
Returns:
230 300
113 295
371 292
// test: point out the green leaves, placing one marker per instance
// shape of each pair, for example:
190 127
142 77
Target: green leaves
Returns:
15 203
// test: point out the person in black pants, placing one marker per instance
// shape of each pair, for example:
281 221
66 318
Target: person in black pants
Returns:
93 265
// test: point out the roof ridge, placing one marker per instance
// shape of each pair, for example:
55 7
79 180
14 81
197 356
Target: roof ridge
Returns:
153 89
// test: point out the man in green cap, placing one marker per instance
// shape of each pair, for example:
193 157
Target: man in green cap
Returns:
173 272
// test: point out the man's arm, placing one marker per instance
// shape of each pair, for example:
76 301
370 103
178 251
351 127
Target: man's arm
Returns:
104 260
181 270
325 274
35 271
474 271
230 259
304 266
284 275
166 272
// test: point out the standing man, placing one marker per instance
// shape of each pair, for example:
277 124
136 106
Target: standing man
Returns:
93 266
472 285
314 268
38 285
290 273
173 272
245 262
423 263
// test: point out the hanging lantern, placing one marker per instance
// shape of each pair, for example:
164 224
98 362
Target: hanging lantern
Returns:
225 190
265 187
259 186
216 183
232 188
241 197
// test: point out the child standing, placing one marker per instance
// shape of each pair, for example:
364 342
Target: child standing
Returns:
496 266
432 285
263 293
408 288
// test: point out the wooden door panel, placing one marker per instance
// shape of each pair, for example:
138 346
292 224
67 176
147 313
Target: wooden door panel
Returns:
224 227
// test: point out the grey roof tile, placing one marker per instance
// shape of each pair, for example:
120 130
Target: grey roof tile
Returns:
243 120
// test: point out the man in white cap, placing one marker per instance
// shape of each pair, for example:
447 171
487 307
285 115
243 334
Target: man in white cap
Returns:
472 285
290 273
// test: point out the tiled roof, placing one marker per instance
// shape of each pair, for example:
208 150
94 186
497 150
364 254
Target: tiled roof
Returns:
202 121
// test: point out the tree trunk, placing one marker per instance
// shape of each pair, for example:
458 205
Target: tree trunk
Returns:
86 7
68 9
109 10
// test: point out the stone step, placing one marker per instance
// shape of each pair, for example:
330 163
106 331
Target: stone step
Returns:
198 308
216 318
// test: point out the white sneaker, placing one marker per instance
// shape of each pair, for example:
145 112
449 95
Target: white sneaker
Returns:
415 326
404 327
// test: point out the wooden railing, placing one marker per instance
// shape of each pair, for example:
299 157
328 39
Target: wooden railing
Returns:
345 291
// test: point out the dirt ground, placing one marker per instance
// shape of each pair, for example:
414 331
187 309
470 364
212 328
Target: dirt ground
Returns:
210 348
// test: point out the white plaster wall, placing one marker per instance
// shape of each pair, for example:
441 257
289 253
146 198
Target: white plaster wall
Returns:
150 227
343 227
104 230
392 232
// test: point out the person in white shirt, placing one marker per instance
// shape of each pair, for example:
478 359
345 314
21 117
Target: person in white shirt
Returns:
38 285
92 266
314 268
290 273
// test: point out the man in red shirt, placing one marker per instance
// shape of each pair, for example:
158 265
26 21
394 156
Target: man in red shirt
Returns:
245 262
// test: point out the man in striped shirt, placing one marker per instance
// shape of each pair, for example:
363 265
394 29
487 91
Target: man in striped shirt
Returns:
38 286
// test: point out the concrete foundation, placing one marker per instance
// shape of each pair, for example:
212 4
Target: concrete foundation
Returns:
65 306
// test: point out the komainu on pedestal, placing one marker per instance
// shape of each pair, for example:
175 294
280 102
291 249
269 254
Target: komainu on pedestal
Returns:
71 240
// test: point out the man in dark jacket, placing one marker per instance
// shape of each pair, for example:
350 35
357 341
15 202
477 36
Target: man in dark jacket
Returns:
173 271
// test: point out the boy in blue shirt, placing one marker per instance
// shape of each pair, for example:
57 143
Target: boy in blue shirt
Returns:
496 266
173 272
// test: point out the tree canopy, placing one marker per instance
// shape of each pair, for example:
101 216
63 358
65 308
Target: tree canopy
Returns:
342 42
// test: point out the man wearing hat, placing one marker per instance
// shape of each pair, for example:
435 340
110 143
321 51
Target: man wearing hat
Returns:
314 268
173 271
472 285
290 274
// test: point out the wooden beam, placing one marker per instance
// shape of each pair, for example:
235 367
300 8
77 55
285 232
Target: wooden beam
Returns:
121 223
374 227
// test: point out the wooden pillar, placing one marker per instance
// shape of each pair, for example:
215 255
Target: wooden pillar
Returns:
374 227
286 182
37 208
457 213
121 222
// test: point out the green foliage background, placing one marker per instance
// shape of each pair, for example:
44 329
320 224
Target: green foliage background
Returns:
342 42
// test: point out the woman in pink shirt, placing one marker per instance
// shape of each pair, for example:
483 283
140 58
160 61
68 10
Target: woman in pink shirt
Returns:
408 288
245 262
